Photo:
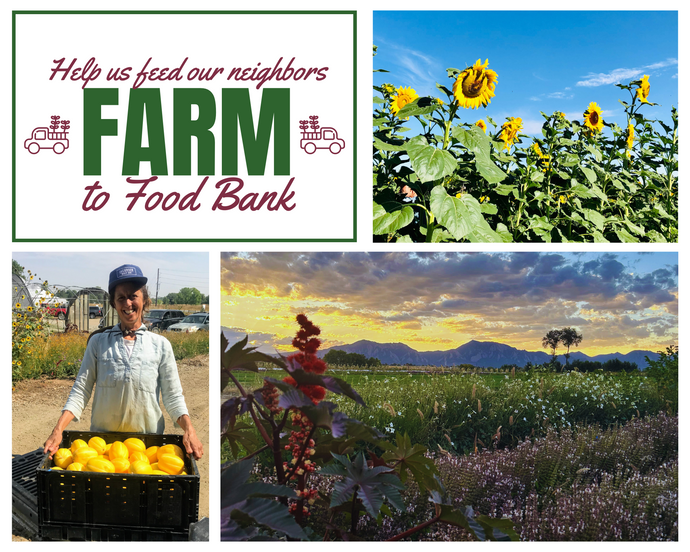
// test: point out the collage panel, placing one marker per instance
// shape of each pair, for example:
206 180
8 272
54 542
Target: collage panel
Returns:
110 396
556 133
449 396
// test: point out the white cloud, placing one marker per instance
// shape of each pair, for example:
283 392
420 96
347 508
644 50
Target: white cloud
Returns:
532 126
560 96
535 99
621 74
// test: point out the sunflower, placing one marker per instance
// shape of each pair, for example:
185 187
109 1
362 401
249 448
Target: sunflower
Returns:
631 136
593 120
388 88
509 131
402 98
643 90
475 86
18 306
481 124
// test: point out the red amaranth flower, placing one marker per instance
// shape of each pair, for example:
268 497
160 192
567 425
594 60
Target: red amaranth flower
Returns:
315 392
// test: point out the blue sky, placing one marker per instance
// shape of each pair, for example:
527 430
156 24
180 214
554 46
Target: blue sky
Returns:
77 270
545 61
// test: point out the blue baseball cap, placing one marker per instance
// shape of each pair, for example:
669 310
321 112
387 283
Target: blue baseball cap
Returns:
126 273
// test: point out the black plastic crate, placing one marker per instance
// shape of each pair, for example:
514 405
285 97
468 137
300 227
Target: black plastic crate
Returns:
75 532
113 506
24 500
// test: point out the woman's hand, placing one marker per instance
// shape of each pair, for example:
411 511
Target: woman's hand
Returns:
191 442
53 442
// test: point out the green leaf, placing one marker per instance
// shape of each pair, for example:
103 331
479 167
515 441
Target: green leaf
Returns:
478 143
391 216
625 236
459 215
581 191
239 503
594 151
497 529
404 239
428 162
420 106
395 145
655 236
536 176
590 174
372 485
569 160
488 208
595 218
598 192
440 234
634 228
504 189
502 230
407 457
241 435
599 237
239 358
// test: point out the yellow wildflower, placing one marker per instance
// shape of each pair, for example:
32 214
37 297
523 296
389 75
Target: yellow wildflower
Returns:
643 91
481 124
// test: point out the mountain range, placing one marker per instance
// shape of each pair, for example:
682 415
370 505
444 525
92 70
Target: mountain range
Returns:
483 354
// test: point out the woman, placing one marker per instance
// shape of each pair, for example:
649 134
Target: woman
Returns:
131 368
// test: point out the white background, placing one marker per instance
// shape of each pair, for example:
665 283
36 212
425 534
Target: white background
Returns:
364 210
322 181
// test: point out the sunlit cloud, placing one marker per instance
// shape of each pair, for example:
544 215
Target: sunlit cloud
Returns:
442 300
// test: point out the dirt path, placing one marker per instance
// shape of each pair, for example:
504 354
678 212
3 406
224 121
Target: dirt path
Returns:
37 404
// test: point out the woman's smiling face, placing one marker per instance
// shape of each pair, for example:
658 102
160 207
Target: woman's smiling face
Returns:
129 304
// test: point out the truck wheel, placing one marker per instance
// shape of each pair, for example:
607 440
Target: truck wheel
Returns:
335 147
310 148
58 147
34 148
61 316
92 315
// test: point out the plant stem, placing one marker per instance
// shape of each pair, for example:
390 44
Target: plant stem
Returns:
301 453
354 513
416 529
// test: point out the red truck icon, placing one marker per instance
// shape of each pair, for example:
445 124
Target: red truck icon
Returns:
319 137
49 137
43 138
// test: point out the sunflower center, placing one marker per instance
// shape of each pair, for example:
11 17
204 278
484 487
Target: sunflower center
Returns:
594 117
472 85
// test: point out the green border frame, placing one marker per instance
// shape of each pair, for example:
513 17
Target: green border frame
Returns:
189 12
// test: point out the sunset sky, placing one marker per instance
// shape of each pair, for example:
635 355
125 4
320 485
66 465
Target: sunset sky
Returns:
438 301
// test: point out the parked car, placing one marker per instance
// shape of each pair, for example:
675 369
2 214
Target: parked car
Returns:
159 320
95 311
59 312
192 323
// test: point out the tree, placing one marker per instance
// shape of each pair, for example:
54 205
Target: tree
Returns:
189 296
664 370
570 338
17 269
551 341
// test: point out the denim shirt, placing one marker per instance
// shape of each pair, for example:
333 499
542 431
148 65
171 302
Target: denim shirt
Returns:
128 388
